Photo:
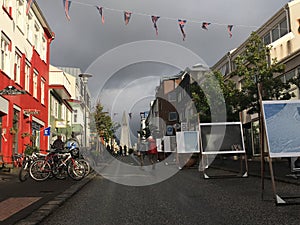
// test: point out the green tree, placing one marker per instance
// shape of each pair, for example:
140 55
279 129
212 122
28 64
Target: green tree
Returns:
214 92
255 66
103 123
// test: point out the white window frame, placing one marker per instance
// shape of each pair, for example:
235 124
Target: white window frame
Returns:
20 12
17 66
43 82
35 83
5 54
29 28
27 76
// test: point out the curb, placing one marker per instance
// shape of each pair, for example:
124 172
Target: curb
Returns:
45 210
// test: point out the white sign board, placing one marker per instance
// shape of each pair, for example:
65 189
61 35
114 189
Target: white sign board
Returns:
282 122
187 142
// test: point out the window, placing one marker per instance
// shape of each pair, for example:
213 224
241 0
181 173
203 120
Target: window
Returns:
36 41
267 39
56 107
20 11
17 67
27 76
43 49
5 53
283 28
172 116
277 32
63 112
35 83
43 91
75 115
29 29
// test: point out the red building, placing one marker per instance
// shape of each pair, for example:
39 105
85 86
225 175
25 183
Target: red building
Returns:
24 65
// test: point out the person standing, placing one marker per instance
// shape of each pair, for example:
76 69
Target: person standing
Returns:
58 144
152 151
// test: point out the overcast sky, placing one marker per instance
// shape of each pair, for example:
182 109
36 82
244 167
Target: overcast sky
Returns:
120 56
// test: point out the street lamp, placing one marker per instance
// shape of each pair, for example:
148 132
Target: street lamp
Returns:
85 77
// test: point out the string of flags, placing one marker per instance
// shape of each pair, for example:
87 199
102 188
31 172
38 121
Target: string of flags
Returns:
128 15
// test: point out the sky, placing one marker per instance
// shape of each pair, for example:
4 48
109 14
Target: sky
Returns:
128 61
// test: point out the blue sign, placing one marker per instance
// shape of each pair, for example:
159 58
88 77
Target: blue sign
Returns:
47 131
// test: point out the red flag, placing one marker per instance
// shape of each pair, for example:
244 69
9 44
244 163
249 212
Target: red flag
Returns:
154 20
127 16
29 3
67 5
229 27
100 9
181 25
205 25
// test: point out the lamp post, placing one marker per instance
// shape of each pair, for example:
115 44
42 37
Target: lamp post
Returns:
85 77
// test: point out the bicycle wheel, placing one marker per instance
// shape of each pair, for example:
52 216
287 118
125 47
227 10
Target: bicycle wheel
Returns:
61 173
40 170
23 173
86 165
76 170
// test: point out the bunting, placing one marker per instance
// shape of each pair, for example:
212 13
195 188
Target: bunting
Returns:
205 25
154 20
29 3
229 27
67 5
181 25
127 16
100 9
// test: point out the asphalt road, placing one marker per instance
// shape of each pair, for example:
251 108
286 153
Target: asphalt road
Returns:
185 198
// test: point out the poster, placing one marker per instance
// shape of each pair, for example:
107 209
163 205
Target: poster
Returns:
222 138
282 123
187 142
169 143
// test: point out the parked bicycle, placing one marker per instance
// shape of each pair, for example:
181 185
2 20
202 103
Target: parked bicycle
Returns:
26 163
59 164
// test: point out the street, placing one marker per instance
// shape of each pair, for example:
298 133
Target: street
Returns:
185 198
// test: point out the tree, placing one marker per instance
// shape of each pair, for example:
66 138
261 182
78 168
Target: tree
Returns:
214 92
255 67
103 123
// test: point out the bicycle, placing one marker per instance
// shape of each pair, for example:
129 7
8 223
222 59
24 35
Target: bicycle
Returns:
59 164
27 161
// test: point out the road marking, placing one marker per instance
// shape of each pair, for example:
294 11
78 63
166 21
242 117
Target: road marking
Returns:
11 206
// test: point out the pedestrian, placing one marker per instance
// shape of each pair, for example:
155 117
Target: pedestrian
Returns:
58 144
125 150
152 151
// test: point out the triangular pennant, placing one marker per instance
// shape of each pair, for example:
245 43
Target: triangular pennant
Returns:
29 3
229 27
205 25
127 16
67 5
154 20
181 25
100 9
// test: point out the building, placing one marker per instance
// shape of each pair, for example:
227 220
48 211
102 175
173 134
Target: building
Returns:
60 110
80 101
24 65
282 33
